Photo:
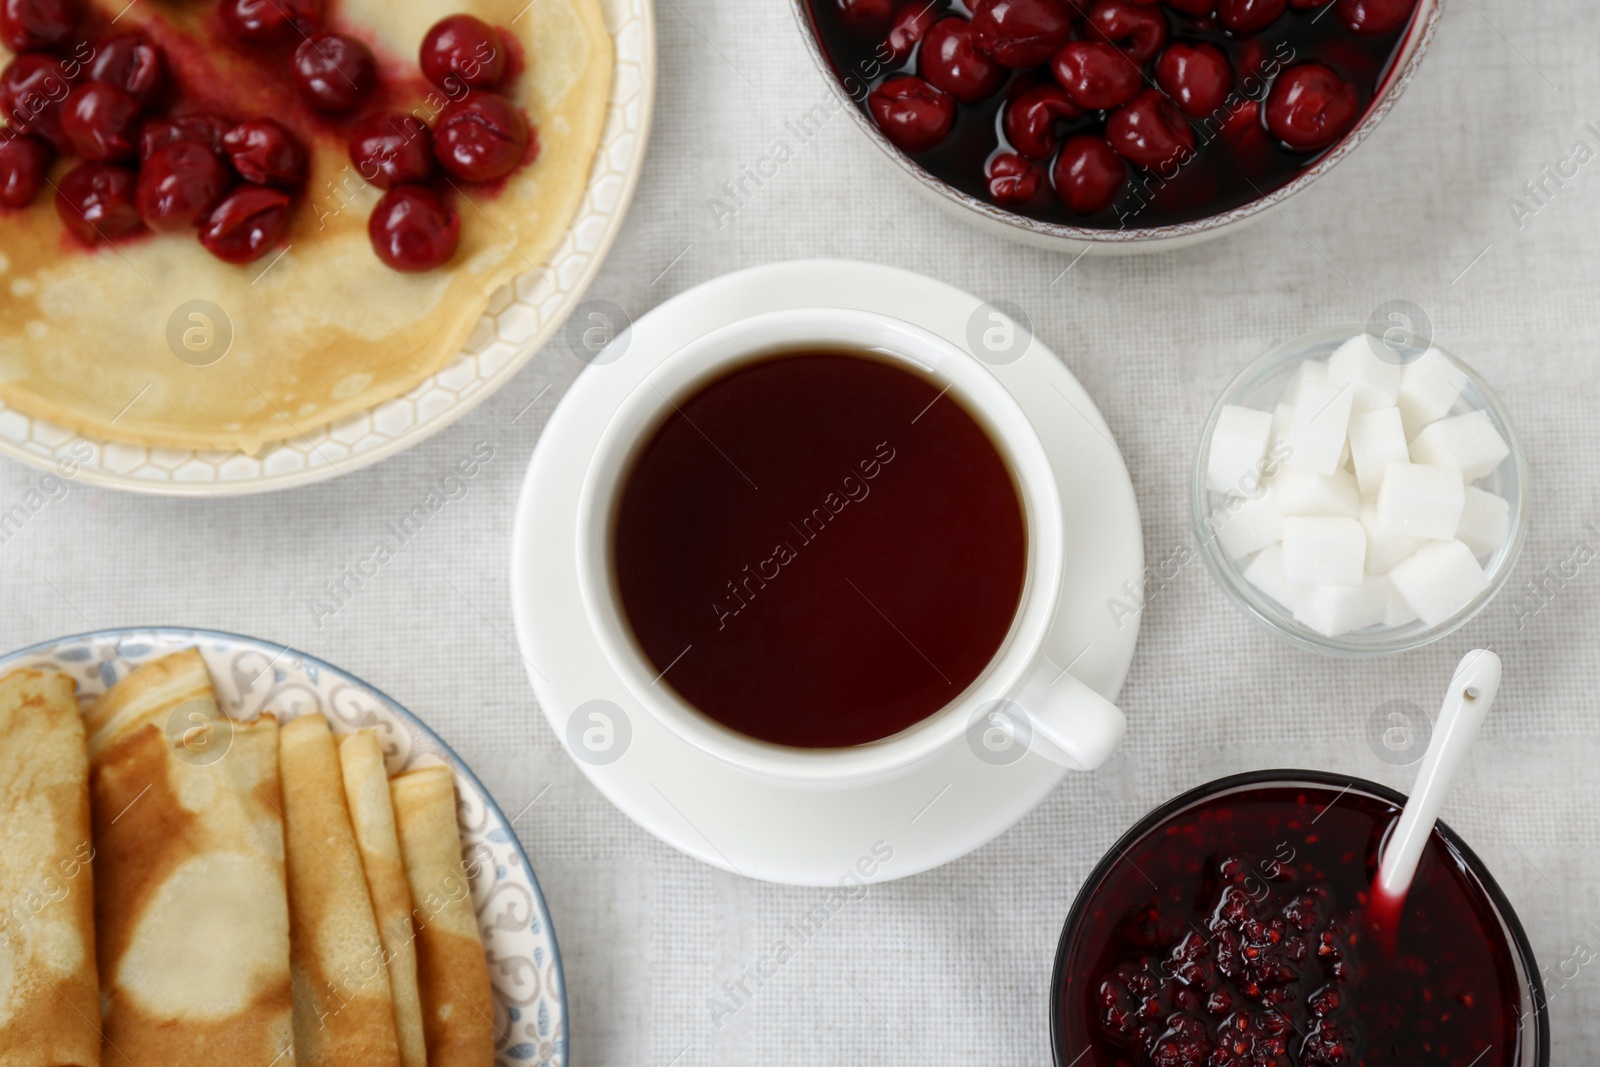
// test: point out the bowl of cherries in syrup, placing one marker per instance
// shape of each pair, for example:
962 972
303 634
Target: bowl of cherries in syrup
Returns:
135 138
1233 927
1120 125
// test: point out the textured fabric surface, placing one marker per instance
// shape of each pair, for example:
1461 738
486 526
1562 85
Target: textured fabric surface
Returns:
953 966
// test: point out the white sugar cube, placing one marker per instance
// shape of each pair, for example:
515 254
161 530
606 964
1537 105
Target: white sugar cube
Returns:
1485 522
1377 439
1374 381
1282 420
1468 442
1309 372
1440 580
1247 524
1324 551
1396 611
1332 610
1429 388
1321 421
1301 492
1385 549
1237 445
1265 572
1421 501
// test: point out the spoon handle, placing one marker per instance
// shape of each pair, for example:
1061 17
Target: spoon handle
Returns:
1466 703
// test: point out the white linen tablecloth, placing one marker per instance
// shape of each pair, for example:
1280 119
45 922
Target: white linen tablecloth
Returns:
953 966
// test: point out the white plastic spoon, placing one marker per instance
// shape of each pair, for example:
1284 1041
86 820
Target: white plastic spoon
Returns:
1472 690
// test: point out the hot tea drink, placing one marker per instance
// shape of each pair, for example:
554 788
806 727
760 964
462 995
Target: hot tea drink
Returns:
819 549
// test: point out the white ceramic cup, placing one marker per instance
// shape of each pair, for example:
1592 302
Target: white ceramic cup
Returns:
1021 693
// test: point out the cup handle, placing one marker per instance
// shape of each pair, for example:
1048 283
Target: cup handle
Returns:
1071 724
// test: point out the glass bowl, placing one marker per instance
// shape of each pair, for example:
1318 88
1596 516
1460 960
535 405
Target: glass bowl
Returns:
852 86
1259 386
1086 919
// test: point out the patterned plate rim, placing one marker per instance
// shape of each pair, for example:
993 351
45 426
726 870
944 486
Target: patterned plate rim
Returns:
46 446
113 637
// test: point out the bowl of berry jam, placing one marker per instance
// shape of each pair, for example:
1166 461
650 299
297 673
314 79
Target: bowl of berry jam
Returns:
1117 125
1229 928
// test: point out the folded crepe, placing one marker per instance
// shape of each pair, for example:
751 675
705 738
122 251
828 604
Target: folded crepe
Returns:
366 791
191 912
49 1002
343 1008
457 1005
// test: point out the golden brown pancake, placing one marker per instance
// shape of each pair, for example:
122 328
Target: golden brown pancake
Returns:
328 330
457 1003
191 911
366 788
49 1003
343 1010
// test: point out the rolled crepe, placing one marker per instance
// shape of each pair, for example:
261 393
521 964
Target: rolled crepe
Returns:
457 1006
366 790
191 913
49 1001
343 1008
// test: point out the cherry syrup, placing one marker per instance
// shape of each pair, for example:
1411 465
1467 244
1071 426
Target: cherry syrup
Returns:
1239 932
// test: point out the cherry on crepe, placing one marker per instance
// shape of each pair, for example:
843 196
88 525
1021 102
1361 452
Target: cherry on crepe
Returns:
480 138
101 121
334 71
462 52
411 230
390 148
246 223
265 153
130 62
24 161
95 201
178 184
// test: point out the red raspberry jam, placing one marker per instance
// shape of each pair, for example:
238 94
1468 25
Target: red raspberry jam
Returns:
1230 929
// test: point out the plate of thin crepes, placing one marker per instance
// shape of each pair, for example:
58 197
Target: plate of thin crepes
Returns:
219 850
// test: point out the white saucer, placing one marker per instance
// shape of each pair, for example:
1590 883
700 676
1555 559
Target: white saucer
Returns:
931 815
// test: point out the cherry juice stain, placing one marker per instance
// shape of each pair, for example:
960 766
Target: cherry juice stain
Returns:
819 549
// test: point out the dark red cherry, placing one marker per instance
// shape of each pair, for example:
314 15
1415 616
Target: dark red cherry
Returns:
1368 17
1088 174
1243 132
246 224
24 161
1151 132
102 122
179 183
1021 33
32 25
952 62
911 22
131 63
31 90
271 20
866 17
1097 76
1249 16
1138 29
1310 107
911 113
390 148
265 153
1196 76
411 230
463 51
200 129
334 71
1031 119
95 202
1013 179
1197 8
481 138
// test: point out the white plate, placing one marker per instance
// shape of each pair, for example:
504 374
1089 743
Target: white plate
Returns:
817 836
250 676
520 318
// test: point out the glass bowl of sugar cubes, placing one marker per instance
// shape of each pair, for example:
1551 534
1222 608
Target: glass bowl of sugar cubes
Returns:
1360 494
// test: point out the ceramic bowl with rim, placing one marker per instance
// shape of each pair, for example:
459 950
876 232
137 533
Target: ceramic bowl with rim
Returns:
1061 237
1534 1026
1259 386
